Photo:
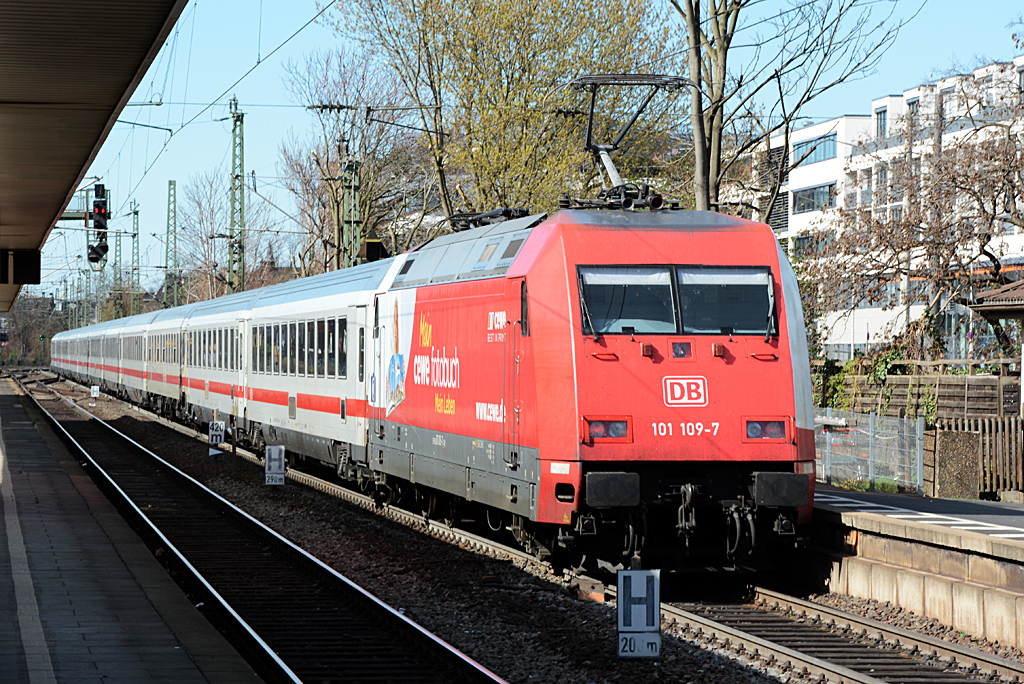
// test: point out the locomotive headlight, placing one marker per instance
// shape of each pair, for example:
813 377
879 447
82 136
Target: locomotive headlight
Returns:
607 428
766 429
617 429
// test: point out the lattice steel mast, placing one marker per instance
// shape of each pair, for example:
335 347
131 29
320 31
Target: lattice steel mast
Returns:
236 229
171 248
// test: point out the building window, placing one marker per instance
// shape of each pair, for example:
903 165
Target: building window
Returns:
816 150
882 185
775 168
778 216
814 199
913 110
881 128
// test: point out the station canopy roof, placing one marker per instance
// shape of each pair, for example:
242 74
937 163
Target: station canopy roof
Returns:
67 69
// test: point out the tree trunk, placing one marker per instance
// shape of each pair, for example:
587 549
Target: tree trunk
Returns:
701 167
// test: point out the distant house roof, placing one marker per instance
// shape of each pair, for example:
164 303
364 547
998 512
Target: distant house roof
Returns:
1003 302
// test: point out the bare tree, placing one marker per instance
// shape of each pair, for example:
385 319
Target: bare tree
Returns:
935 230
360 120
202 238
806 49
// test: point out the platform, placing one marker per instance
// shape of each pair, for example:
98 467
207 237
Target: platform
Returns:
81 597
992 518
959 561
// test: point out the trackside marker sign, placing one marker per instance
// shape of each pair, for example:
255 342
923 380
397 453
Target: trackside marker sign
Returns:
639 613
685 390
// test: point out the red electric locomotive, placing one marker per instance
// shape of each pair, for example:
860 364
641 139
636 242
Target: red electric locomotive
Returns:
634 384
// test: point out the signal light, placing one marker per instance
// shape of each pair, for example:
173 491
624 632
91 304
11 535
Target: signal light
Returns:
97 252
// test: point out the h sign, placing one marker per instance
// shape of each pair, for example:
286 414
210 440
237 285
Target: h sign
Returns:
685 390
639 600
639 611
274 465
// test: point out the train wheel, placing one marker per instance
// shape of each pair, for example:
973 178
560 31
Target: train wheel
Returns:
428 505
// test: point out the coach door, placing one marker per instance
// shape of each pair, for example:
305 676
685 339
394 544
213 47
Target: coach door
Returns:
377 382
236 349
512 356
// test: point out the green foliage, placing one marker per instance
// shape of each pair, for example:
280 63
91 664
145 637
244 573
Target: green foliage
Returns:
830 384
929 404
882 366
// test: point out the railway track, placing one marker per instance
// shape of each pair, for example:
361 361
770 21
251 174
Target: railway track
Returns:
295 619
804 640
816 643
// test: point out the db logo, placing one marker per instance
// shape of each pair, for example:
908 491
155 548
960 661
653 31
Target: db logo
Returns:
685 391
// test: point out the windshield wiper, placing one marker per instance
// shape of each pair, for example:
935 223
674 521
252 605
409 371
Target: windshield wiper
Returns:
771 308
586 314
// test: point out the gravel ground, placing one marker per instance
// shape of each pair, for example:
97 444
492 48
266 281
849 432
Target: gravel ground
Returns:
513 617
883 611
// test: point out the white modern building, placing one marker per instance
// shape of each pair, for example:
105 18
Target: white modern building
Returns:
844 163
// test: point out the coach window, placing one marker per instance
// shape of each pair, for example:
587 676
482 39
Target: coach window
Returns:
253 344
291 349
342 348
277 348
311 348
256 349
331 349
268 346
362 363
321 329
300 348
222 349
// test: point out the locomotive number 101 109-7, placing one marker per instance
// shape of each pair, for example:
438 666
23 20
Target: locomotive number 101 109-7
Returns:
685 429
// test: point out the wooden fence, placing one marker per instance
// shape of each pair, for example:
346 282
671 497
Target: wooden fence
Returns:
1001 450
934 396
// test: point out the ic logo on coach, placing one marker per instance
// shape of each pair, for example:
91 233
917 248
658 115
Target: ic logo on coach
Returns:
685 391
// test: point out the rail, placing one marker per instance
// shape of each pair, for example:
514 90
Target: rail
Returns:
273 647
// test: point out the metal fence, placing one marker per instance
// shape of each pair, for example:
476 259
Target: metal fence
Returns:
869 451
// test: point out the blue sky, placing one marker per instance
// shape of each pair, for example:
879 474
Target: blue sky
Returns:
217 41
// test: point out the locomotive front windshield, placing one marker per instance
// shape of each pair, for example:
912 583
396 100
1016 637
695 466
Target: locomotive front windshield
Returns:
725 300
673 300
628 299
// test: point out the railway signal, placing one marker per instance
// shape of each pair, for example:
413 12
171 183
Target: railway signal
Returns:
99 221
